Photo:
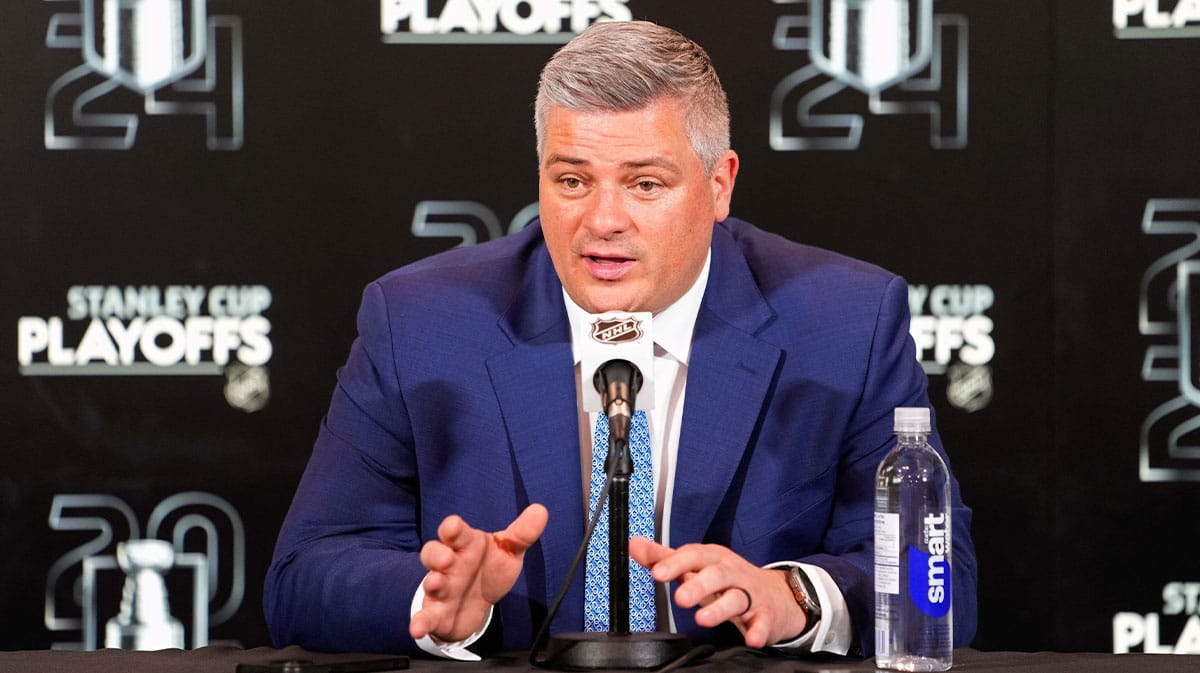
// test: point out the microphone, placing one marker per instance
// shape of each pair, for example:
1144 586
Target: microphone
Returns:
618 382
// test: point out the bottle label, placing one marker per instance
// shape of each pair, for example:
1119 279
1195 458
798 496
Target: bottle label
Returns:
929 571
887 553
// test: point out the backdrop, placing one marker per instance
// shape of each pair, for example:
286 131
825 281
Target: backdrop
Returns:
194 192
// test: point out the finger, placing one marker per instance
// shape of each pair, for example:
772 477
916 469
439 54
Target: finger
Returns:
755 632
705 582
431 619
647 552
524 530
436 555
688 558
732 603
422 624
455 532
667 564
433 583
745 594
417 627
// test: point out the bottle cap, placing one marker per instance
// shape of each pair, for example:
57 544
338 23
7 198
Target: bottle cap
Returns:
912 419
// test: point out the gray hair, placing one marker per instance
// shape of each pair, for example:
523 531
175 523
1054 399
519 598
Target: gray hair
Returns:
619 66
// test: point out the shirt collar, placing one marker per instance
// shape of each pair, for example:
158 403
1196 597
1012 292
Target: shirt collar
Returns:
673 326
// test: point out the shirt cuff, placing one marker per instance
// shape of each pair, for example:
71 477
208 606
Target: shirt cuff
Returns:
832 633
457 650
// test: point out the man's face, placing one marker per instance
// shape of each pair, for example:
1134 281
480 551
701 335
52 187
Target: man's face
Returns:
627 207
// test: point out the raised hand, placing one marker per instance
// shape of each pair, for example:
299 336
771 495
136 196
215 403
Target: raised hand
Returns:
470 570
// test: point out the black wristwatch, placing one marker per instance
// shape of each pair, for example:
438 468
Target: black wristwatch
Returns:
805 596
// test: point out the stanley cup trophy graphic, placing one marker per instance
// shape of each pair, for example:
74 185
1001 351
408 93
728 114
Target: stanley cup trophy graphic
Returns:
900 54
144 44
145 621
172 53
872 44
195 536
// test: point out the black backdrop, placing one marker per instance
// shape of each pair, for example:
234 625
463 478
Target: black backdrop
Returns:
1033 174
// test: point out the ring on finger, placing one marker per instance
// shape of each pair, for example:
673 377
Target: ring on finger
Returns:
749 601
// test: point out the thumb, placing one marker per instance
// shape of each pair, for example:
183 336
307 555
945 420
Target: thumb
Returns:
524 530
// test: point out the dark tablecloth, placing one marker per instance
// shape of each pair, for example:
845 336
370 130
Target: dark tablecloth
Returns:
225 660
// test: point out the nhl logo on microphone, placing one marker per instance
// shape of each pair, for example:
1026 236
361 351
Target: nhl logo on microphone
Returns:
617 330
616 336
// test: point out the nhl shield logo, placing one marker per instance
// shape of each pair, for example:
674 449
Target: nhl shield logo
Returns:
617 330
871 44
144 44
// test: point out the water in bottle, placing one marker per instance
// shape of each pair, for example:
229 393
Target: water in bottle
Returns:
913 619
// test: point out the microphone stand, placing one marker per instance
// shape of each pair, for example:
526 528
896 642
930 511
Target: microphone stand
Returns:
618 648
618 537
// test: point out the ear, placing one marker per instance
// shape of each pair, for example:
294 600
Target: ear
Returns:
724 174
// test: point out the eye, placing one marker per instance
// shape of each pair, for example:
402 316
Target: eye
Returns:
571 182
647 186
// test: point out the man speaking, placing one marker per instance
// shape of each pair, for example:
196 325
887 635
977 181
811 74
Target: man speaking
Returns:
451 481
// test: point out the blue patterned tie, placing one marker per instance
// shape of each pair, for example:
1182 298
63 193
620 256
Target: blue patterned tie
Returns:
641 522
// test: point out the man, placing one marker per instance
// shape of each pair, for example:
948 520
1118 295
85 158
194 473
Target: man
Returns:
777 368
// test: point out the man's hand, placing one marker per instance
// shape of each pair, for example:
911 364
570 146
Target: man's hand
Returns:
727 587
470 570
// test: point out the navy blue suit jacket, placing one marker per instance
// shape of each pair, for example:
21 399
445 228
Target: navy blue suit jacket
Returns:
458 397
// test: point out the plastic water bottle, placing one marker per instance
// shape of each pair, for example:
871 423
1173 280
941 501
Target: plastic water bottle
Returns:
913 619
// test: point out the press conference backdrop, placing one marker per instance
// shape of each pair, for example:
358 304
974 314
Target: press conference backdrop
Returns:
194 193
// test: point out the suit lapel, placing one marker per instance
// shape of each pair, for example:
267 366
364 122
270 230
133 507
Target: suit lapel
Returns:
534 384
730 373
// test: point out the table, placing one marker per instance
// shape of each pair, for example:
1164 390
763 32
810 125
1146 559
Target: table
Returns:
223 659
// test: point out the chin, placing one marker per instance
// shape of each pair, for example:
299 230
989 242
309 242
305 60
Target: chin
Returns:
605 303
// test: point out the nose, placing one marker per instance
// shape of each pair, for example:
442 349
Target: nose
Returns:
606 214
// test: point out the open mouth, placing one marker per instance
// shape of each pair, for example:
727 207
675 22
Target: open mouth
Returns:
609 260
608 268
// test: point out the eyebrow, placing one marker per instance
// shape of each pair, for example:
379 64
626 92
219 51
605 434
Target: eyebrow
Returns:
655 161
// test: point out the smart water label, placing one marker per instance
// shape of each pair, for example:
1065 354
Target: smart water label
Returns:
929 571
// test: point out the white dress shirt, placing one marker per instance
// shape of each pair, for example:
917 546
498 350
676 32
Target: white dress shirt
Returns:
672 331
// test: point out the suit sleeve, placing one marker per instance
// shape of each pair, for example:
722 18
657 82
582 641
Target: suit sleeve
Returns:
894 378
346 563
